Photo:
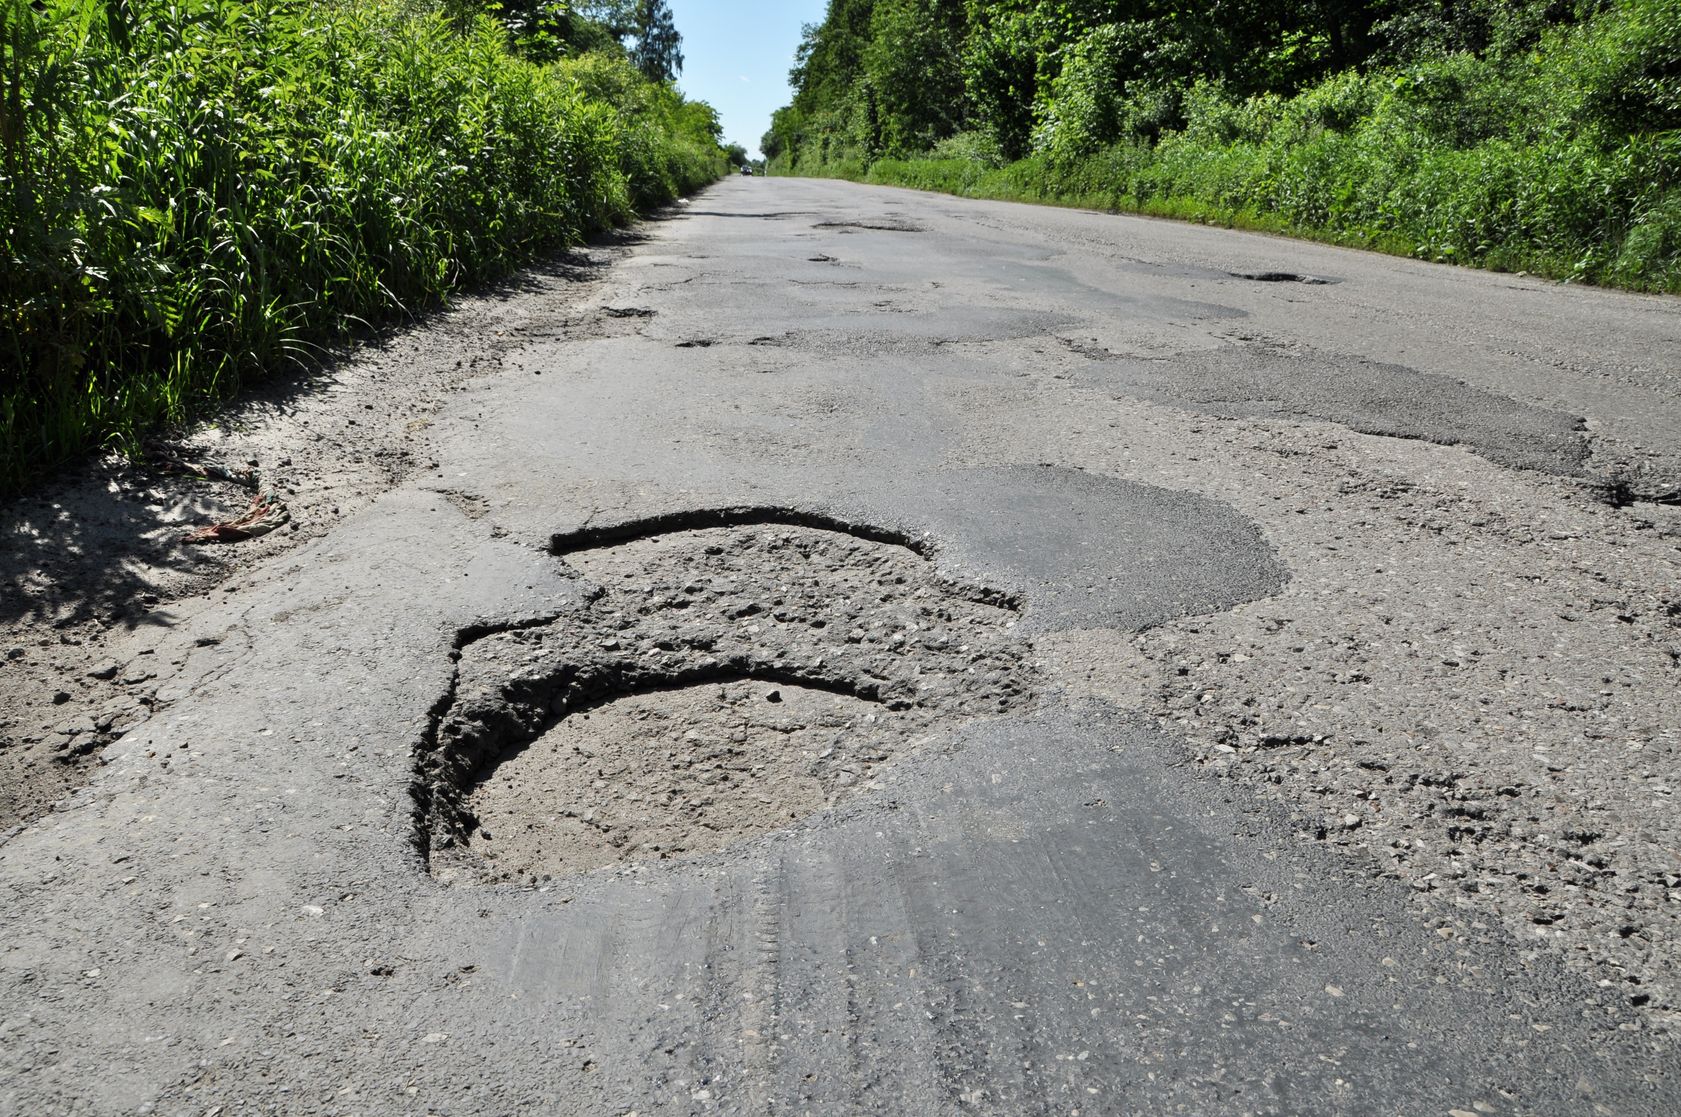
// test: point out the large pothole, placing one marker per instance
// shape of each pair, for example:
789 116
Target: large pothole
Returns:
729 681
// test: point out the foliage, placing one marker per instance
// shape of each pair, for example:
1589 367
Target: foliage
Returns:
1632 68
540 30
648 31
978 148
194 191
834 115
1112 84
1001 78
912 68
665 144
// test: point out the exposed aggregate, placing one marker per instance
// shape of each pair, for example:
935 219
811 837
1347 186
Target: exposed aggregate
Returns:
867 647
1472 681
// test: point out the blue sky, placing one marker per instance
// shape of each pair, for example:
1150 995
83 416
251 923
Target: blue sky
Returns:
736 55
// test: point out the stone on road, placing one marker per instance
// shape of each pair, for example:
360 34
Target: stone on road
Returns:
892 654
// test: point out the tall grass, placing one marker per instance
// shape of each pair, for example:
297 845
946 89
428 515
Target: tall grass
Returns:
193 192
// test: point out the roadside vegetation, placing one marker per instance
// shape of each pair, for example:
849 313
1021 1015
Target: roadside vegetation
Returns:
1536 135
196 192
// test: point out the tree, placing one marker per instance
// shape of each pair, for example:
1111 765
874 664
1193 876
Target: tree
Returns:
648 32
1001 76
913 63
830 59
541 30
658 51
786 136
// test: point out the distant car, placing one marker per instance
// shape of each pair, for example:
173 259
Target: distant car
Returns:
747 170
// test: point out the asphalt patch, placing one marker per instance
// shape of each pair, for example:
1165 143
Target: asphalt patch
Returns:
1371 397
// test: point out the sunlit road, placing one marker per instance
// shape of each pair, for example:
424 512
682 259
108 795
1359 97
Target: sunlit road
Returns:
1242 695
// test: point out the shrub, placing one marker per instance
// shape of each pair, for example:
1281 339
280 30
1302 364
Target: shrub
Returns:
971 147
1630 65
193 192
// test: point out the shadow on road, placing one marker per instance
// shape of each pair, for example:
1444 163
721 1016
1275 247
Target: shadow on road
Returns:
99 542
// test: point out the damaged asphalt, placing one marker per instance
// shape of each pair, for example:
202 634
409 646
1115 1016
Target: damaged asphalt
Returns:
1034 667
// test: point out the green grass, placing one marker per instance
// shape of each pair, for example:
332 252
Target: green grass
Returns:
196 192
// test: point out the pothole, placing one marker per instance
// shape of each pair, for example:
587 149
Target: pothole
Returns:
1283 277
670 774
728 681
887 225
1619 490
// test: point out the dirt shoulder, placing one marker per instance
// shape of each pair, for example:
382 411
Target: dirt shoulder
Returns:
94 569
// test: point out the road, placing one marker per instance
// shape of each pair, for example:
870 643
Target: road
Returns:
872 652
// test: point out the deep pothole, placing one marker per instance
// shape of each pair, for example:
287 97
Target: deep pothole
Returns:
729 681
1284 277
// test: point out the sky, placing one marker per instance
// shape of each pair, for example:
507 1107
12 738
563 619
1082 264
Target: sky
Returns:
736 57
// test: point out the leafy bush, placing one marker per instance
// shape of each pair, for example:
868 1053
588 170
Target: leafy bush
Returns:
972 147
1214 118
1337 104
1101 93
666 146
1001 79
193 191
1631 65
1650 253
913 70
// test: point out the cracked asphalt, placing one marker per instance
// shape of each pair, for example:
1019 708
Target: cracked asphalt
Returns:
1031 661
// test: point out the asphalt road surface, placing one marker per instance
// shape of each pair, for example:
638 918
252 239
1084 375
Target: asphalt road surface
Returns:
871 652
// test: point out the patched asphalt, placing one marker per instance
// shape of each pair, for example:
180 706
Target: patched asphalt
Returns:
1193 492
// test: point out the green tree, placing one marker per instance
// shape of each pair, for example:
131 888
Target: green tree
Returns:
647 31
834 96
914 67
829 62
1001 64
